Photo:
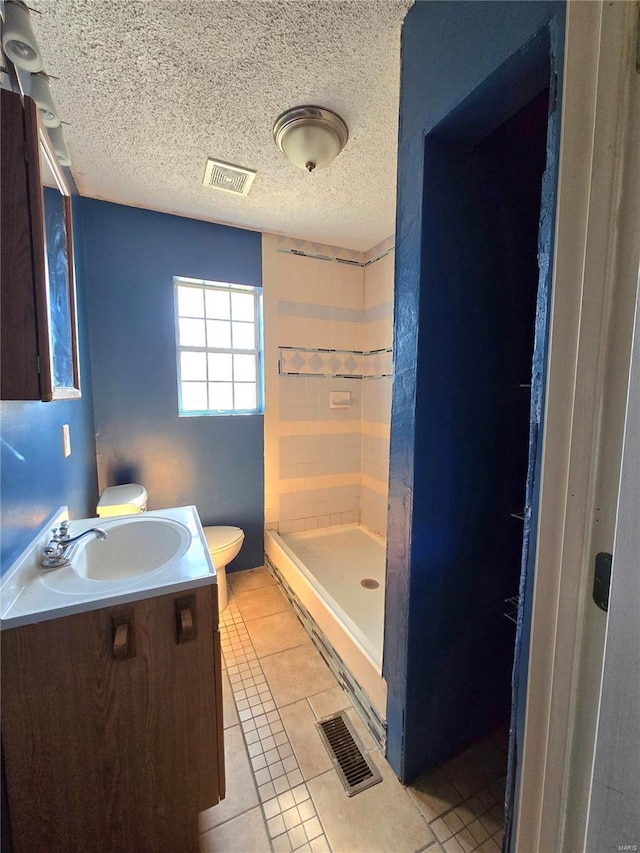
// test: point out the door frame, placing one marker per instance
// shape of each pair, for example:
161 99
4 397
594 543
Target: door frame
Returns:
613 815
593 294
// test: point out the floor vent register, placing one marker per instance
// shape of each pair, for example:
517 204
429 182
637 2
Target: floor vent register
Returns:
356 771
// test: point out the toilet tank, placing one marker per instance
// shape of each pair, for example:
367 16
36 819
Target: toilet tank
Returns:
129 499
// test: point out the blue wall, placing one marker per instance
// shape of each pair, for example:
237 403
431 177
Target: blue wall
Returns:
454 54
214 462
35 478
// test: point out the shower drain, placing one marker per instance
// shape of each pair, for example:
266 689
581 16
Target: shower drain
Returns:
369 583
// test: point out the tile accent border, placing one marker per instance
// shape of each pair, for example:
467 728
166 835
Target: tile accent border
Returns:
335 363
289 813
378 363
380 250
361 702
322 252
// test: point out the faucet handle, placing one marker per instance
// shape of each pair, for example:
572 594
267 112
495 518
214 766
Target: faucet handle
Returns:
51 553
64 530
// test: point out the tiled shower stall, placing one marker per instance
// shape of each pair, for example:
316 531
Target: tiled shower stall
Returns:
328 325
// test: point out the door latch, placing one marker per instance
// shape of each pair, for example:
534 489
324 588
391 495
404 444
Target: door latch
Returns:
602 580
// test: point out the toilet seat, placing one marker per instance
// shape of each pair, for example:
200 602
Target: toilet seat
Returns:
221 538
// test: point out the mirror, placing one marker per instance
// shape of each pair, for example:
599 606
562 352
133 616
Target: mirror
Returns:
59 362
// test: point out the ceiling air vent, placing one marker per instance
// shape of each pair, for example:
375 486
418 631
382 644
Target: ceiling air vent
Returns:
227 177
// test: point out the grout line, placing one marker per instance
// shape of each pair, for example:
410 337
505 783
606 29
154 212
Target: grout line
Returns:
248 673
285 800
289 648
242 813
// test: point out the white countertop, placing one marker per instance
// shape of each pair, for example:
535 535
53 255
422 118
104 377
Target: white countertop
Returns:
27 597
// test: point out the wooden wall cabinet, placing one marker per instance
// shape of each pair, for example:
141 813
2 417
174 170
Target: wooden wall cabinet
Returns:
38 336
113 736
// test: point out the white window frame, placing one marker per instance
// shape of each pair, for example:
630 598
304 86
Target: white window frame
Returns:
227 287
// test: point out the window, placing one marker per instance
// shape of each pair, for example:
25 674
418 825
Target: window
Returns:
218 347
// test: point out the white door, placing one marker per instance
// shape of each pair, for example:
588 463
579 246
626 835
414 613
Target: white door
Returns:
614 811
595 288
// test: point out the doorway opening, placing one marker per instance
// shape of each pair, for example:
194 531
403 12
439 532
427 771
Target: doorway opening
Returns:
479 314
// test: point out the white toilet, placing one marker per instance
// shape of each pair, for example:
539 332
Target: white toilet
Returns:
224 543
122 500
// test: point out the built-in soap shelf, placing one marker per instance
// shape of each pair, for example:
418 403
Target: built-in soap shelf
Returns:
511 608
339 399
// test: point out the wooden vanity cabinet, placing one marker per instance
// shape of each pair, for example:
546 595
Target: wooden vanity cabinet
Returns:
112 726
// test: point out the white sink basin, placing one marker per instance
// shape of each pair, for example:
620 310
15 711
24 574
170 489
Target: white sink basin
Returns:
156 553
135 546
132 547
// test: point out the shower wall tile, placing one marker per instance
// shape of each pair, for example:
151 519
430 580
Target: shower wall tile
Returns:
336 363
323 362
373 510
378 283
375 457
318 460
376 400
378 363
376 393
328 505
323 252
300 525
378 304
308 398
312 281
379 307
311 332
314 455
328 427
317 311
320 250
376 335
380 250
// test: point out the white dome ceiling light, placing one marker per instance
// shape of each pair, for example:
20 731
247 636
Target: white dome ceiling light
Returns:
18 40
310 137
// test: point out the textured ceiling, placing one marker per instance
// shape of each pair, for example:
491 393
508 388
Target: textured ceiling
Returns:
151 88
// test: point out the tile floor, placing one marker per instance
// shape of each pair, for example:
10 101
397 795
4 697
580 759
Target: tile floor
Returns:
282 791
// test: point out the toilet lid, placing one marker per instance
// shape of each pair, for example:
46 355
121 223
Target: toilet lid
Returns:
222 537
131 493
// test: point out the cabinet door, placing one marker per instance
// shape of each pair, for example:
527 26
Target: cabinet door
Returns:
111 753
19 378
39 335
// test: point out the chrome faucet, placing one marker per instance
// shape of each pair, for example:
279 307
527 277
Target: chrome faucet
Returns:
59 551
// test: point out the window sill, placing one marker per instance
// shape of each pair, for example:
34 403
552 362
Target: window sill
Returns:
221 414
